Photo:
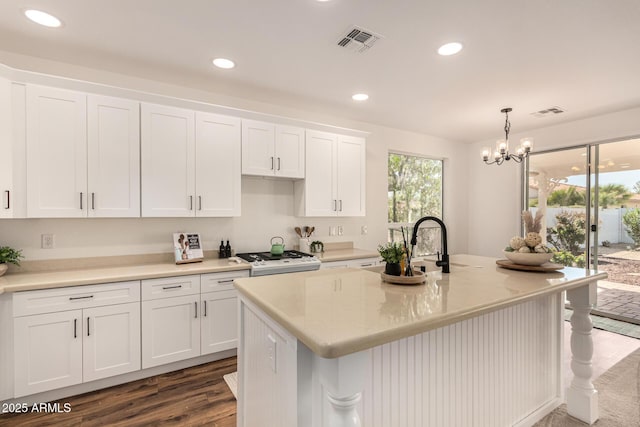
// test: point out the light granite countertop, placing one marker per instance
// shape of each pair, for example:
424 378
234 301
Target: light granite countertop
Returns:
341 311
75 272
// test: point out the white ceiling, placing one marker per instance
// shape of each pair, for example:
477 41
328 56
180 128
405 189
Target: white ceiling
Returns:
581 55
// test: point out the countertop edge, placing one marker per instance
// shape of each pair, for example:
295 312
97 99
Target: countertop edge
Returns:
343 348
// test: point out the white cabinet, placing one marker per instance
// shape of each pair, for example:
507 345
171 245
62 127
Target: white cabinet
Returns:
334 184
48 351
272 150
67 336
188 316
81 161
56 153
111 341
218 165
113 157
190 163
219 322
170 320
13 170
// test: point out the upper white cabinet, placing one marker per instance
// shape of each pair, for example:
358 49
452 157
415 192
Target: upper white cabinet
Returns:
218 165
190 163
13 190
113 157
56 153
272 150
335 176
81 161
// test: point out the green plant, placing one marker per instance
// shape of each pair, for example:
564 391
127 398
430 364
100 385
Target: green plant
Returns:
631 221
10 255
569 233
392 252
568 259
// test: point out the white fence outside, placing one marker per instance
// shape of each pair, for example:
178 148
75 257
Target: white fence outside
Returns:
610 225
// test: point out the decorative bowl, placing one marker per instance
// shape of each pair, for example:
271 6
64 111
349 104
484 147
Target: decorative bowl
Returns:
528 258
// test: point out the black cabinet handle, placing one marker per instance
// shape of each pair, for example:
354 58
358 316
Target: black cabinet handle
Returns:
205 308
75 328
225 281
93 201
190 203
75 298
271 163
81 201
199 203
196 303
164 288
88 331
340 205
278 163
8 206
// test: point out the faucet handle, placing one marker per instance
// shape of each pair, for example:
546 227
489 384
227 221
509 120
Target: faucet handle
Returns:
438 255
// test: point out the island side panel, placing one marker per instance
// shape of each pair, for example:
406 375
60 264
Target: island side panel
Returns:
267 376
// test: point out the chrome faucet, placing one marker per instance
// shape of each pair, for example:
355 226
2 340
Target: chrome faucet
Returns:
444 263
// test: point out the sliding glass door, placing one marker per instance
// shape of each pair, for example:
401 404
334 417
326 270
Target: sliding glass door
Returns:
591 200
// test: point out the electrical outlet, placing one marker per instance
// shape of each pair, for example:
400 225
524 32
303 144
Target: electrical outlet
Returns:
364 230
47 241
332 231
272 351
340 230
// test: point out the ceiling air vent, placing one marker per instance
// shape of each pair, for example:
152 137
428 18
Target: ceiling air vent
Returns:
548 112
358 39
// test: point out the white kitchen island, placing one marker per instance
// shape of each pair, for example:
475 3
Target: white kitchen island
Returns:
480 346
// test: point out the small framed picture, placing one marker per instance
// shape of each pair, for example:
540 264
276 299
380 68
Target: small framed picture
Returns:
187 247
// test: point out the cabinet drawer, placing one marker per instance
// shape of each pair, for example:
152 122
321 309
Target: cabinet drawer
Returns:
168 287
212 282
74 297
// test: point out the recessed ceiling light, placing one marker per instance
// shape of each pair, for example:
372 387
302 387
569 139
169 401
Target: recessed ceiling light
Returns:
450 49
42 18
360 97
224 63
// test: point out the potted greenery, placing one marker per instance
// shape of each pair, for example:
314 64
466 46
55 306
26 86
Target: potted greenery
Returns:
9 255
392 253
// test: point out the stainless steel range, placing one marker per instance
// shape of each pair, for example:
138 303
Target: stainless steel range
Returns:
263 263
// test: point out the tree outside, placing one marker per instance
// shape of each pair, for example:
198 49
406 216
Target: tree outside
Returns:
414 191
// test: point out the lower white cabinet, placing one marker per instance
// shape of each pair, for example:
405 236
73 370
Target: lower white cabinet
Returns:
79 341
170 330
48 351
219 322
111 341
188 316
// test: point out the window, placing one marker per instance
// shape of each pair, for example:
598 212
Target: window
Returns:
414 191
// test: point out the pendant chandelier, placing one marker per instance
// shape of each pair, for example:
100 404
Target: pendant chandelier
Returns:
502 146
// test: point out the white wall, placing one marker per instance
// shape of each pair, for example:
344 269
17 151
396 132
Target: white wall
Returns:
267 204
494 191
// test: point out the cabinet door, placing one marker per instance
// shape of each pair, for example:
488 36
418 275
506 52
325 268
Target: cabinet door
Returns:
219 321
168 161
319 184
351 176
56 153
47 352
289 152
111 343
258 148
114 157
218 165
170 330
6 148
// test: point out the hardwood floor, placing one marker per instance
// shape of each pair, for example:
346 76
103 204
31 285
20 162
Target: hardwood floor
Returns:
196 396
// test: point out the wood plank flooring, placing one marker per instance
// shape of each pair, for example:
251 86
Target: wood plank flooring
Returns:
196 396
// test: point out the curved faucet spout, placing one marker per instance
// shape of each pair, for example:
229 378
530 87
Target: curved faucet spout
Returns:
444 263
